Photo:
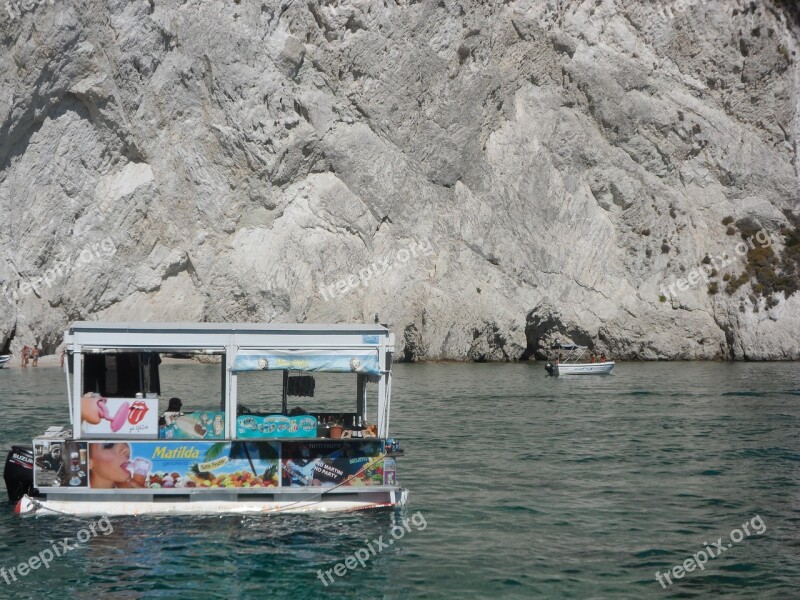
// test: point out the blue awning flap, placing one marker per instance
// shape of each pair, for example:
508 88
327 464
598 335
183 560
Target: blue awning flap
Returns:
323 361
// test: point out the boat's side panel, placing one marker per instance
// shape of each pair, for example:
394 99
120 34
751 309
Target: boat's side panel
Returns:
217 476
274 505
585 369
122 466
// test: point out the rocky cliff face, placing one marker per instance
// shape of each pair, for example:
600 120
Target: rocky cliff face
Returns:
485 177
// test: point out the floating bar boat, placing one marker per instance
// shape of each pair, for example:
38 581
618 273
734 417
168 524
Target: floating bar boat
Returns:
121 458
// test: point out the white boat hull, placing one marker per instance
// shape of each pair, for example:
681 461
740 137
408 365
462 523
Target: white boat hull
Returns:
119 507
603 368
4 360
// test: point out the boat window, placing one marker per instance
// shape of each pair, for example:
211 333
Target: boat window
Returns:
334 394
121 374
116 374
185 379
190 405
260 392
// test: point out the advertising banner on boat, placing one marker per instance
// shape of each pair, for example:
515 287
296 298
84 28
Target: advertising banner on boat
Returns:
329 361
170 464
119 417
276 426
204 425
332 463
59 463
389 471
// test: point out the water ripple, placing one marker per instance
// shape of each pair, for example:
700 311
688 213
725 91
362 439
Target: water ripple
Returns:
530 486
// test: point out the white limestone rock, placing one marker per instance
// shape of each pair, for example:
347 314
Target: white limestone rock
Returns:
485 177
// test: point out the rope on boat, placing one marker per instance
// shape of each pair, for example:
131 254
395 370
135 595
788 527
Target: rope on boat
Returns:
39 506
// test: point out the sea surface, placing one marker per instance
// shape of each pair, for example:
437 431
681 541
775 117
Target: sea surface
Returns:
522 486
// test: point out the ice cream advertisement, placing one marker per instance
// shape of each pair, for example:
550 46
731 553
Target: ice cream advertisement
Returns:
205 425
332 463
166 464
119 417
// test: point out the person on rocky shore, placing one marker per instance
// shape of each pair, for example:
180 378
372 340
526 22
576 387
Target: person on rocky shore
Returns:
26 352
35 355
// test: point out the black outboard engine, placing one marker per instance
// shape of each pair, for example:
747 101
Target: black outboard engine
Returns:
549 368
18 473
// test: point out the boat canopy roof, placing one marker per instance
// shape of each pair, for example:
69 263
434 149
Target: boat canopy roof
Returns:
326 361
173 327
569 347
334 340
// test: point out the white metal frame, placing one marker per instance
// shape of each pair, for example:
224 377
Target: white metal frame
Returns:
227 338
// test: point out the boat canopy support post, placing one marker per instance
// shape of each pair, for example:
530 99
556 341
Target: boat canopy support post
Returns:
285 394
230 396
223 382
65 358
77 382
383 400
385 385
361 395
388 383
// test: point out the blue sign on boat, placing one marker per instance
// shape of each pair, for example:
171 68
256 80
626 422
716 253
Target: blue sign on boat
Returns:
276 426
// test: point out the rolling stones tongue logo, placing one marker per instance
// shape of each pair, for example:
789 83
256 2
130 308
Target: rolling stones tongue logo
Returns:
137 412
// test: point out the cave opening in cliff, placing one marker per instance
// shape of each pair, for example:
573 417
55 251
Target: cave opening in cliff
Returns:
7 342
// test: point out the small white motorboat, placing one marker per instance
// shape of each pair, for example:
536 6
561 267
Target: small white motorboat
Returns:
573 364
4 359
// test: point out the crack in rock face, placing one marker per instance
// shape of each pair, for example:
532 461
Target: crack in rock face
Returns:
488 177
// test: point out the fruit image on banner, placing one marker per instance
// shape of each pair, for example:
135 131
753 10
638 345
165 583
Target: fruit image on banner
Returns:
167 464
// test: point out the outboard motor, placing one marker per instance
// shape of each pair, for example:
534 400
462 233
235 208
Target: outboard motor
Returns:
18 473
549 368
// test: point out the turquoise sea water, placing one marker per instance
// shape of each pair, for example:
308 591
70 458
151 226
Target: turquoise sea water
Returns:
529 487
